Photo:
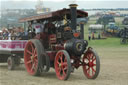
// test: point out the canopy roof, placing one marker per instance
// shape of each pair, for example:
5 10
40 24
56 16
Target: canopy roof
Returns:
56 15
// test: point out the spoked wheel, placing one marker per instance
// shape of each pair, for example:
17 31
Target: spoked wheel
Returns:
123 41
62 65
11 63
32 54
91 64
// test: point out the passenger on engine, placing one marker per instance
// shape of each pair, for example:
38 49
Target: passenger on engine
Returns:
38 27
50 28
67 29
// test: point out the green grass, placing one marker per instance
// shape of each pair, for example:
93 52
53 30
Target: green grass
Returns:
109 42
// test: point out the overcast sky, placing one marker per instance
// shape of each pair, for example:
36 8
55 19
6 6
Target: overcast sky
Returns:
58 4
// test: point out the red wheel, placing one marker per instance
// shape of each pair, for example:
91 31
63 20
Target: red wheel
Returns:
32 54
91 64
62 65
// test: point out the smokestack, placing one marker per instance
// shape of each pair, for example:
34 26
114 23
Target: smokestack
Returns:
73 10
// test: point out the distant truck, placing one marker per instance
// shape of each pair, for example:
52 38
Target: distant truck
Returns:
124 35
105 19
125 21
112 28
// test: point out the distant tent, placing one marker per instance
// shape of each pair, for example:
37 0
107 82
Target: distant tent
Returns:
96 27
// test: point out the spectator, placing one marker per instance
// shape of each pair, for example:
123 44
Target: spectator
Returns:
99 35
5 33
93 36
11 35
89 36
0 35
20 33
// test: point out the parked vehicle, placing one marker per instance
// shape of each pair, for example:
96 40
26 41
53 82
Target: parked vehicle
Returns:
11 51
125 20
112 29
124 35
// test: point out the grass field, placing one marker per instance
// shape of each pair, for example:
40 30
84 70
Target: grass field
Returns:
109 41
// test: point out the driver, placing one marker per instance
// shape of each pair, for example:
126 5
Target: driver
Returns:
67 29
38 28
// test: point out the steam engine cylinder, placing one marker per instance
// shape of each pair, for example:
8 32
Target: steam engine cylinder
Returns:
75 46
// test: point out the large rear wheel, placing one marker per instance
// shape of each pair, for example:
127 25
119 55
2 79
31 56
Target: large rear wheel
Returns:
32 54
91 64
62 65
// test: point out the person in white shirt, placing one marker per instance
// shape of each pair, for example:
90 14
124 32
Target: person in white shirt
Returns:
10 33
38 27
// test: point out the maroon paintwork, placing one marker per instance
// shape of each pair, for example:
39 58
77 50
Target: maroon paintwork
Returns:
55 15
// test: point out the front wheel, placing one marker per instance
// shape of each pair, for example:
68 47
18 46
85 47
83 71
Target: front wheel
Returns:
62 65
123 41
91 64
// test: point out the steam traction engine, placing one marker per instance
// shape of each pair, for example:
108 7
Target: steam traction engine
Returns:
60 46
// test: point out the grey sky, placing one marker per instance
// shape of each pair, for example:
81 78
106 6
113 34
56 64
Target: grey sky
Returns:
58 4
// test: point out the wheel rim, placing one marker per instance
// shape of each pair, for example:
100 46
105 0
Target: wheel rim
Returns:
90 65
30 58
9 63
61 66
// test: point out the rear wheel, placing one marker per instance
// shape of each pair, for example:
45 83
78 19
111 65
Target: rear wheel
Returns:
62 65
32 54
91 64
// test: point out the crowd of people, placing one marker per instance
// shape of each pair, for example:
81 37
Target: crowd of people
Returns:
34 31
12 33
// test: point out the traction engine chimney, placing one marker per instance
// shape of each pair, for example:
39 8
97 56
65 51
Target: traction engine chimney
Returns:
73 10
